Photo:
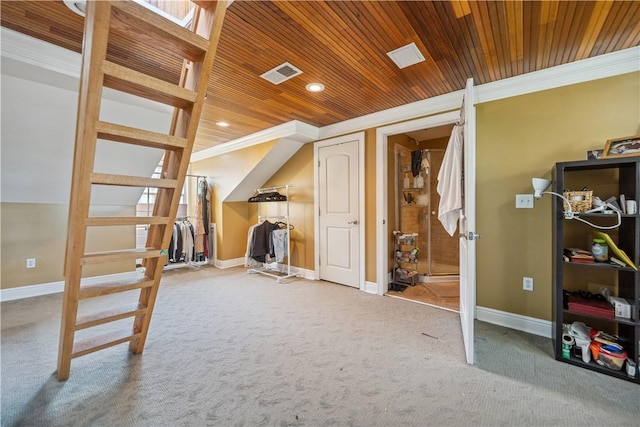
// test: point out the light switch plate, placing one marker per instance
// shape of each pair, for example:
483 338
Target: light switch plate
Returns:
524 201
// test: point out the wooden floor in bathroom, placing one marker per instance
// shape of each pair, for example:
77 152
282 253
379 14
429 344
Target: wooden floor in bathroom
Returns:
445 294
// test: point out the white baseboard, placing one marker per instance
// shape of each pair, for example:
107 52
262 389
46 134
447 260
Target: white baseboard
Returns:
518 322
228 263
371 288
56 287
304 273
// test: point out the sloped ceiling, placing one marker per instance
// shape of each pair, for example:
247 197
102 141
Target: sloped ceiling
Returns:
39 108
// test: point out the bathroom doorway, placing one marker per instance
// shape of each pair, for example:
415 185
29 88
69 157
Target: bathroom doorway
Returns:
416 158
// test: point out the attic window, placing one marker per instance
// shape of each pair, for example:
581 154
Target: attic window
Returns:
178 11
281 73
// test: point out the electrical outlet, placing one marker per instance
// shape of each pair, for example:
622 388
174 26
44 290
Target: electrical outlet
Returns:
524 201
31 263
527 284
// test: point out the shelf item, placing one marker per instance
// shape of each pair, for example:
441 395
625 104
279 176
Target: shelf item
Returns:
616 314
276 268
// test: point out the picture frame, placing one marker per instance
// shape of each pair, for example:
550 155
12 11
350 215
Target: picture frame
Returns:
594 154
628 146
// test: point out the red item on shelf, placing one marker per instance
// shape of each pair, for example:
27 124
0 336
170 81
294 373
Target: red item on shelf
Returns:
591 307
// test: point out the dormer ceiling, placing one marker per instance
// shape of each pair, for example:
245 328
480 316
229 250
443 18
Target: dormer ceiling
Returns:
344 45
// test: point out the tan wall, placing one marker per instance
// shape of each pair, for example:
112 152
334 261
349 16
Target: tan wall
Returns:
39 231
299 171
232 242
522 137
224 172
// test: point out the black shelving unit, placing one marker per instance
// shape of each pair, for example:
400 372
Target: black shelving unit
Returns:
606 177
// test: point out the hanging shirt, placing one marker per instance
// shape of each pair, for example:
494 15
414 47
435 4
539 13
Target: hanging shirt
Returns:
280 244
262 242
450 182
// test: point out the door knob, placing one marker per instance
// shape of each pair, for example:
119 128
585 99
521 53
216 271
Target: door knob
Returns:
355 221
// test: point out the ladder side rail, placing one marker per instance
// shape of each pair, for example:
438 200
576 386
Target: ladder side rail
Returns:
207 23
95 44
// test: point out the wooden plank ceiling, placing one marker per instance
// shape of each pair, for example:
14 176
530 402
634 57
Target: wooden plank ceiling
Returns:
344 45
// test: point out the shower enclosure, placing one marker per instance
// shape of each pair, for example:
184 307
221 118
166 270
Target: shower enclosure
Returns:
417 203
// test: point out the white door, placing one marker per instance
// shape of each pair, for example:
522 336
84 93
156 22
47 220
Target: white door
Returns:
467 224
339 220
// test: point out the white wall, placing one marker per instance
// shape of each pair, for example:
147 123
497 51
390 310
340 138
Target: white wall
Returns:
39 106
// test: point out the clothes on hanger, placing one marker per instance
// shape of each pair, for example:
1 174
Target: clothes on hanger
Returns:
267 239
202 224
182 244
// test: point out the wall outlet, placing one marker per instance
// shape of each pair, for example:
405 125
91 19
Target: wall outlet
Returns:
524 201
527 284
31 263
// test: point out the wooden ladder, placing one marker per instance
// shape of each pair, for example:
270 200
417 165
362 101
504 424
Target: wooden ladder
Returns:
103 20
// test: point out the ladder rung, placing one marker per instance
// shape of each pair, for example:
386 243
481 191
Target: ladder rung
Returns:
95 319
89 345
136 83
145 138
146 25
100 289
132 181
98 221
121 255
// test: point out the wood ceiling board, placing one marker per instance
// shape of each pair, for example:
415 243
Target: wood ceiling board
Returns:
344 45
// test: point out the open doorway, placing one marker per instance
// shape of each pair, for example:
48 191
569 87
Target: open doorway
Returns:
430 274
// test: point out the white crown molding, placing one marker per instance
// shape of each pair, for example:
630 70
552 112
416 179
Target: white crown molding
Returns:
30 50
599 67
425 107
294 130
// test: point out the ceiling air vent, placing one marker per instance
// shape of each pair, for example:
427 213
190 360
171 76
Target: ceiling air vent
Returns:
281 73
406 55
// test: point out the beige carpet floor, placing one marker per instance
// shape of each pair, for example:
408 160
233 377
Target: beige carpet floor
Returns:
227 348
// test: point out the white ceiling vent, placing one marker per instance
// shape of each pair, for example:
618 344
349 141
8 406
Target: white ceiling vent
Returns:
281 73
406 55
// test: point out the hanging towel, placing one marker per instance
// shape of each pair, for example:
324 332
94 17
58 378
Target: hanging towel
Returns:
450 182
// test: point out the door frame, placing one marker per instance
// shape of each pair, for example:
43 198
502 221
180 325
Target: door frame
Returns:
359 137
382 134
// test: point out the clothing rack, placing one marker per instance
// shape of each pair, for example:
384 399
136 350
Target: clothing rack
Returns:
266 270
193 220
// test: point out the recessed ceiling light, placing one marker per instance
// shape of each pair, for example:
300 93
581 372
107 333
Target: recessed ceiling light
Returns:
315 87
77 6
406 55
222 124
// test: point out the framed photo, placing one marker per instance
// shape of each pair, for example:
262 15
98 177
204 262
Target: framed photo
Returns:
622 147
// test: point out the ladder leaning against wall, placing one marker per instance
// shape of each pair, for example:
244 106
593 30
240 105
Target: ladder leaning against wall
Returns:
104 19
